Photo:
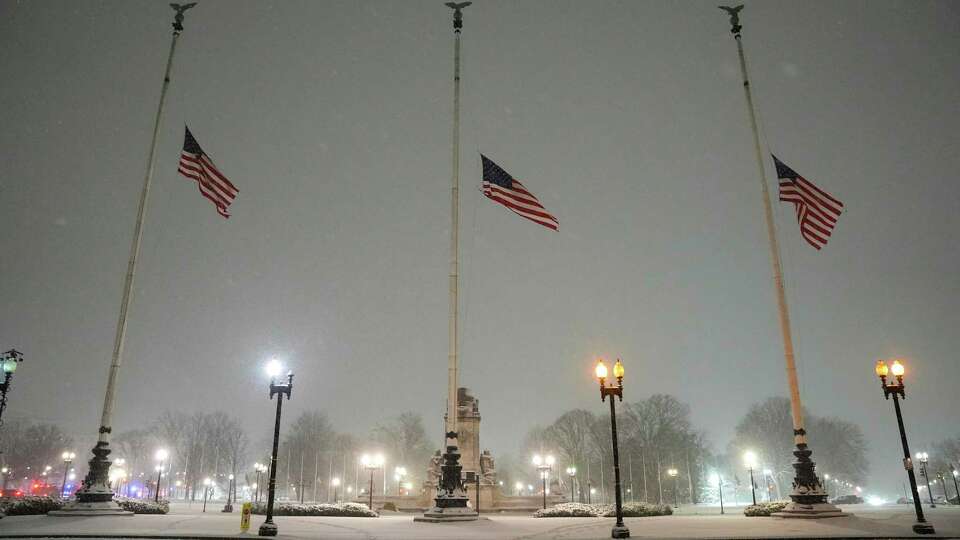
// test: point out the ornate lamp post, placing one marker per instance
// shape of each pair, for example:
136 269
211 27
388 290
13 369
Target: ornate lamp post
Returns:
274 368
897 390
399 473
715 478
371 464
161 456
207 482
826 484
260 468
572 473
336 484
8 362
750 461
543 465
619 529
673 473
924 458
953 473
230 487
67 460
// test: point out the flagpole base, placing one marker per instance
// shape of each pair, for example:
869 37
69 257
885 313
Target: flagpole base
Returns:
808 499
451 500
95 496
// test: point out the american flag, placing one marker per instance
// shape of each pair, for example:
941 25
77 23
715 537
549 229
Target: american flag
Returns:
817 211
499 186
197 165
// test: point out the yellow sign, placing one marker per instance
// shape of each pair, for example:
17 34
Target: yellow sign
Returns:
247 509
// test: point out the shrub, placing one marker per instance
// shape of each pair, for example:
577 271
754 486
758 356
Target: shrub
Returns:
141 506
347 509
569 510
28 506
764 509
640 509
635 509
390 506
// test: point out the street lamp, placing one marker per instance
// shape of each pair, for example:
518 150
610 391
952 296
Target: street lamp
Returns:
619 529
399 473
207 482
572 473
897 389
260 468
230 487
335 482
274 369
673 473
750 461
715 478
67 460
8 362
767 477
519 487
161 456
371 464
924 458
543 465
826 484
953 473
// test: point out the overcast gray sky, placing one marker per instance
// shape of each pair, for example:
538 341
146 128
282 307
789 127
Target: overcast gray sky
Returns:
627 119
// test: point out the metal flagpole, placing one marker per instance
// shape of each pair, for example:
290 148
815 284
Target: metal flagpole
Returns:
808 496
451 500
95 495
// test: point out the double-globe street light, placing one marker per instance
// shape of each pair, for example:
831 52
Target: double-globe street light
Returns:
572 473
750 462
8 362
924 458
675 474
260 468
543 465
619 529
274 369
335 482
897 391
161 456
68 458
371 464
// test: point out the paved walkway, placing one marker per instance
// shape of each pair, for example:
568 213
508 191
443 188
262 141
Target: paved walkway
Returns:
867 522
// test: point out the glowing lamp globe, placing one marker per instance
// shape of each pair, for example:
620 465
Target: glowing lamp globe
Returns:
750 459
618 369
274 368
897 368
9 365
550 461
881 368
162 454
601 369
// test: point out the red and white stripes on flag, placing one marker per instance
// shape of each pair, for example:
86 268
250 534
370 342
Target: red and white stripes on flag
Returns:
817 210
499 186
196 165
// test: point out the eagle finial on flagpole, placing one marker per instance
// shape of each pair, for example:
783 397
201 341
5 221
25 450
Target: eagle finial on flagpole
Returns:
178 18
457 13
734 13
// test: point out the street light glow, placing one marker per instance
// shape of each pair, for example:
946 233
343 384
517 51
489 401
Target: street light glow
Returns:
162 454
897 368
274 368
601 369
750 459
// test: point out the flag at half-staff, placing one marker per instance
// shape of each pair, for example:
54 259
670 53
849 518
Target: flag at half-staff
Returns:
195 164
499 186
817 210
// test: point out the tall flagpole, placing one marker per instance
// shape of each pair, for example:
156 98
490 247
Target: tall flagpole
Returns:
96 495
808 496
451 499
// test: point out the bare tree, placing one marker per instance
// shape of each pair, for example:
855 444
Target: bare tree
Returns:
404 438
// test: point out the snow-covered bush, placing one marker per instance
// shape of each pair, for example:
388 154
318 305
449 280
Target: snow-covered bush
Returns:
569 510
143 506
640 509
635 509
764 508
346 509
28 506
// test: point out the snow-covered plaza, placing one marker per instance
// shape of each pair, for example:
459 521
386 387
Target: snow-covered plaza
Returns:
184 521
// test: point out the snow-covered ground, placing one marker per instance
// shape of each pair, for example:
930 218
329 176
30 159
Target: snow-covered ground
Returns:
865 521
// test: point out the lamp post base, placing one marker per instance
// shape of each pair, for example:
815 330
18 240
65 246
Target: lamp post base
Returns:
268 529
923 528
95 497
620 532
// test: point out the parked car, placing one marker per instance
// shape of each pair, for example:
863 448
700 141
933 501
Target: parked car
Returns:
848 499
8 493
